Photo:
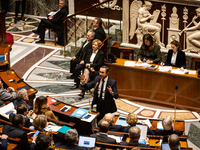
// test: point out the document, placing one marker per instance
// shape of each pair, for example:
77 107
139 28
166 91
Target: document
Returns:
129 63
6 110
117 138
143 133
143 65
159 125
79 113
88 117
121 121
52 128
147 122
164 68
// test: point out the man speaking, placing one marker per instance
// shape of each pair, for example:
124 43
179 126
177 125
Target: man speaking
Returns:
105 92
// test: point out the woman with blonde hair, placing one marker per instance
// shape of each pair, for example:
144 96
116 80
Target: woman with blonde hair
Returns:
132 120
41 107
40 122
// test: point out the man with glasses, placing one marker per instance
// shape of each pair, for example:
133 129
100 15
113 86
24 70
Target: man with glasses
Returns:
105 92
53 22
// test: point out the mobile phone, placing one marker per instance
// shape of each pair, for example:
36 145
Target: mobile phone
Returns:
36 133
64 108
88 116
57 103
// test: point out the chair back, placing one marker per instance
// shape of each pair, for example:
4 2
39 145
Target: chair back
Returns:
126 53
196 60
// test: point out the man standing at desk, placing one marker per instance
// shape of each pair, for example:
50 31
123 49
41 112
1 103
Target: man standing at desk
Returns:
6 95
105 92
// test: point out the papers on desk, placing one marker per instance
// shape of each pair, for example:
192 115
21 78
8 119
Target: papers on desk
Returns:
88 117
143 65
6 110
53 128
143 133
147 122
159 125
192 72
64 129
79 113
129 63
177 71
164 68
117 138
121 121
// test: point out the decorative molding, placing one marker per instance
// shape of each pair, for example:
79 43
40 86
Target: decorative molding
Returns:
112 5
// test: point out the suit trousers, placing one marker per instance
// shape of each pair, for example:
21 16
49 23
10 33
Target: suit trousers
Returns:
17 5
73 64
77 72
45 23
101 109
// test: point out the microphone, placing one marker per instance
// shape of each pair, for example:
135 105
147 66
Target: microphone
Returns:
176 87
91 95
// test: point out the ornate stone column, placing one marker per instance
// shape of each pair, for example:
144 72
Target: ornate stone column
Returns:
71 6
125 21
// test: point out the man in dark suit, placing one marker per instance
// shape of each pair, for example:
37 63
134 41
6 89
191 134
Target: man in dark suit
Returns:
99 31
102 136
173 141
103 95
15 131
81 54
53 22
110 118
167 126
71 137
134 135
93 61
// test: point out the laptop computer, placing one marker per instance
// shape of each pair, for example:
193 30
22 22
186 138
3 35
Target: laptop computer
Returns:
85 141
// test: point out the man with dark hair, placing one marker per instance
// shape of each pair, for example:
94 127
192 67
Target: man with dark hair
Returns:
134 135
99 31
105 92
110 118
173 141
71 137
43 142
81 54
53 22
15 131
23 109
102 136
6 95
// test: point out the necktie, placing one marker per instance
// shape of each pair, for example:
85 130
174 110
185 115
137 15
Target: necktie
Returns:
101 92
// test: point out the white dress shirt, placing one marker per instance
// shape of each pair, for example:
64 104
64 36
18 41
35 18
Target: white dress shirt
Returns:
104 87
93 56
173 59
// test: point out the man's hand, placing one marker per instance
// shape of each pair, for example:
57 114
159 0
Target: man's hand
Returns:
82 78
73 58
50 17
10 89
147 140
87 65
82 62
30 113
92 69
139 61
110 90
3 136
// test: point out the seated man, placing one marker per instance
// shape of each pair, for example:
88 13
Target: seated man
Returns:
71 137
53 22
99 31
167 126
23 109
102 136
110 118
173 141
6 95
15 131
43 142
22 98
134 135
4 141
81 54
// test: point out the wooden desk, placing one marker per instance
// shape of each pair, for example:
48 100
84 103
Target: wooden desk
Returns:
83 127
138 83
6 76
5 50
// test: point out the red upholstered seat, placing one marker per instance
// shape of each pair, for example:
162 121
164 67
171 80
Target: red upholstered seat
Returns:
9 38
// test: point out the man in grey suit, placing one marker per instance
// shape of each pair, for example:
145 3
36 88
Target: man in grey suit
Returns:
102 136
6 95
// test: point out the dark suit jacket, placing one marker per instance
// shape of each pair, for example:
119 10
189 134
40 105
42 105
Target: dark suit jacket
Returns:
134 143
180 59
110 105
100 34
3 145
57 21
15 132
18 102
80 55
98 59
27 120
72 147
117 128
149 131
103 138
167 132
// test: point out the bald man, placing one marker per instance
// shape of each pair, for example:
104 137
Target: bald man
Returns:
173 141
110 118
6 95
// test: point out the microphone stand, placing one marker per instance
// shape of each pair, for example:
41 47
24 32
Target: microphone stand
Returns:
90 97
176 88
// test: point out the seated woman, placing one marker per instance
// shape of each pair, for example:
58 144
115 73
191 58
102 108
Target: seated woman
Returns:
167 124
41 107
22 98
40 122
132 120
175 57
93 61
149 51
